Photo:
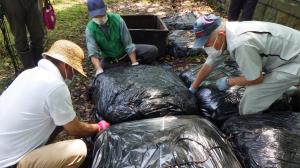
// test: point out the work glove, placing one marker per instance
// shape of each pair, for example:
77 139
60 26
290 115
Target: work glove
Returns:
222 83
293 90
134 64
192 90
103 125
99 71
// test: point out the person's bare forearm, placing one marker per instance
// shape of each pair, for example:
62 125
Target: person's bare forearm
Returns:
132 57
201 75
96 62
86 129
81 129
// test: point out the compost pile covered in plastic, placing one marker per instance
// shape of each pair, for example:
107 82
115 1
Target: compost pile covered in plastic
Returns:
181 141
129 93
268 140
180 21
181 36
214 104
181 44
296 103
220 105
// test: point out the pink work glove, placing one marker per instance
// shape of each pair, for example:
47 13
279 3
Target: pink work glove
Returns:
103 125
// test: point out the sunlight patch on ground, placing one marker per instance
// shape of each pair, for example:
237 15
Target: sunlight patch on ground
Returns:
161 8
161 13
65 4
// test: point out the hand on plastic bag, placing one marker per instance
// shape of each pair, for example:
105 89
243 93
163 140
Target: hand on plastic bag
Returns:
222 83
103 125
192 90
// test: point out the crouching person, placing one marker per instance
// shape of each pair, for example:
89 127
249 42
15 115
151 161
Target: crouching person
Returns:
35 103
109 42
268 55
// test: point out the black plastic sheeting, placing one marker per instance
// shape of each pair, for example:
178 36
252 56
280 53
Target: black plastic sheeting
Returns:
268 140
180 21
181 37
296 103
173 141
136 92
217 105
229 68
181 44
214 104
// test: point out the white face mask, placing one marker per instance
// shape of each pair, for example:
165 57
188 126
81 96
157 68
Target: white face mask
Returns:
101 21
211 51
68 81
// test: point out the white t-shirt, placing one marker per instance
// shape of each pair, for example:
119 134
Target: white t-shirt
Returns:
30 108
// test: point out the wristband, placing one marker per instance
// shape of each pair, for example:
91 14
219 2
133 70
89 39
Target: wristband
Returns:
192 90
136 63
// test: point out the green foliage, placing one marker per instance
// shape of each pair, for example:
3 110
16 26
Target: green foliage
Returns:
6 70
291 2
3 53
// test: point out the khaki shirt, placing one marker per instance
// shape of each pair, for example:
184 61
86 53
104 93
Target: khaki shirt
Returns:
261 47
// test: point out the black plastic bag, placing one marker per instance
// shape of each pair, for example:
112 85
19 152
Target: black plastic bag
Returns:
180 21
229 68
137 92
267 140
173 141
181 44
296 103
214 104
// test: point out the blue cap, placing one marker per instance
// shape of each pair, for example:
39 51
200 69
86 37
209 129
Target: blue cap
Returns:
203 27
96 8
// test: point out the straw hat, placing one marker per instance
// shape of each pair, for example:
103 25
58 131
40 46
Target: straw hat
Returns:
67 52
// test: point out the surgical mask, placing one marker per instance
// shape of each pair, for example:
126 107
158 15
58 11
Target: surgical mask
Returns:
101 20
211 51
68 81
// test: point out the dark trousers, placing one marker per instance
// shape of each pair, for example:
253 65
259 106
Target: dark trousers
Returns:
25 15
14 166
146 54
246 6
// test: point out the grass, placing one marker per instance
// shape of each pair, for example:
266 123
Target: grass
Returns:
71 21
6 68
